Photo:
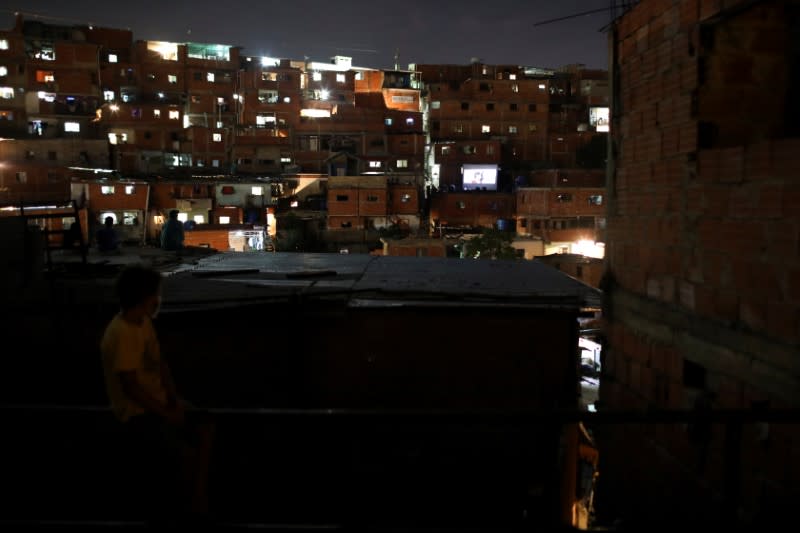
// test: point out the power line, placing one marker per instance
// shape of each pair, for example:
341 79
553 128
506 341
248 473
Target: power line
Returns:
610 9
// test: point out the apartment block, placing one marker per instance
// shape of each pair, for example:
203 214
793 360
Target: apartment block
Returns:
565 209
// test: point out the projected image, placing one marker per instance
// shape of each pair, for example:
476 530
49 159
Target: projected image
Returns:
598 117
480 177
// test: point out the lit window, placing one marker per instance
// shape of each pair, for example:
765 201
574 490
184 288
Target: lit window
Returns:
183 217
72 126
409 121
486 128
445 150
359 75
3 44
257 190
286 99
3 71
129 189
224 220
512 129
388 121
215 163
532 127
340 78
405 198
596 199
157 113
267 96
199 219
112 138
374 164
108 96
7 93
458 128
210 76
22 177
216 137
112 58
512 76
106 189
402 163
316 76
172 78
174 114
286 159
542 86
461 205
263 120
514 88
436 104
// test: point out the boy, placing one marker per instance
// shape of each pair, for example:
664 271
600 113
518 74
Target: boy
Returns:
141 390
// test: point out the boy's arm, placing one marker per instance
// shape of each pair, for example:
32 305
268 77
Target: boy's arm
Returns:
169 384
133 389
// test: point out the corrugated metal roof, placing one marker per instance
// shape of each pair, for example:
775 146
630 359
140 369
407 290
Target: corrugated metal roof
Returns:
362 280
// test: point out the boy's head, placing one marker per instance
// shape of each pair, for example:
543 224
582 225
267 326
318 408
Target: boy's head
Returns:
174 214
109 221
139 286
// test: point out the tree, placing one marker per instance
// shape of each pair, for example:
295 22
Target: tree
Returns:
490 244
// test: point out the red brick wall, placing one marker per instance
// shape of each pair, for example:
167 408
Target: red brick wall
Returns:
118 200
703 253
213 238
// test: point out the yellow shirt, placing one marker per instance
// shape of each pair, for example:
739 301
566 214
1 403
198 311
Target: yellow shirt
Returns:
131 347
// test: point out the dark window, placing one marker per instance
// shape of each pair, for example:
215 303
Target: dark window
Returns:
342 197
579 271
372 198
347 224
29 154
531 108
52 156
435 125
198 76
694 375
147 135
465 106
489 107
565 197
485 87
512 107
523 223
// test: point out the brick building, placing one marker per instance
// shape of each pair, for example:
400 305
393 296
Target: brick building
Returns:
564 208
704 258
470 210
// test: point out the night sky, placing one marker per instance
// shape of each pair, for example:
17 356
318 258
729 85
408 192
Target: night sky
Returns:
370 31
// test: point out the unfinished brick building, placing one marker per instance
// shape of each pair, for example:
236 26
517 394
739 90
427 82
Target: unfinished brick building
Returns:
703 271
